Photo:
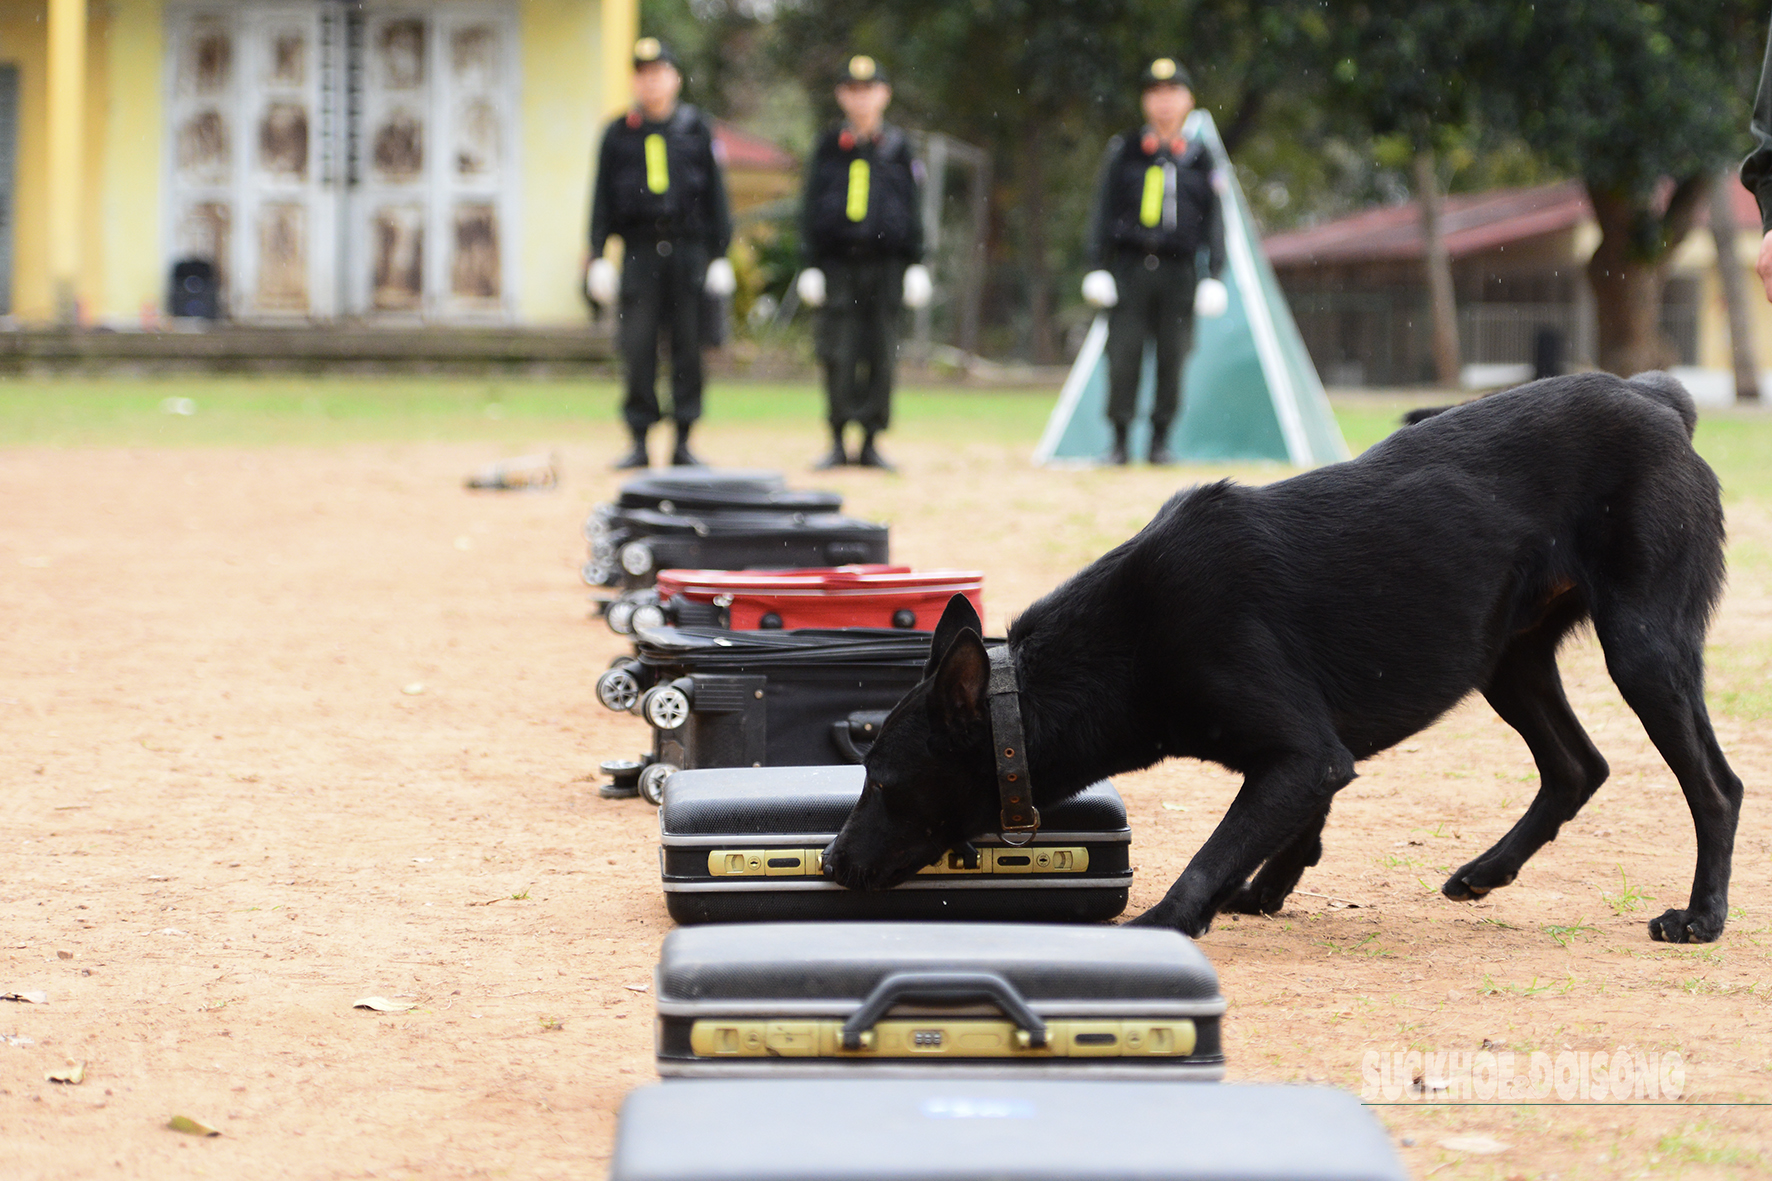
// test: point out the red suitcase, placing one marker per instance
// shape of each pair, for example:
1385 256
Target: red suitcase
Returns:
837 596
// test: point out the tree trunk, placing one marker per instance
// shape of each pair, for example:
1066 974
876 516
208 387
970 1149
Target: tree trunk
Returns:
1735 297
1033 211
1627 273
1442 302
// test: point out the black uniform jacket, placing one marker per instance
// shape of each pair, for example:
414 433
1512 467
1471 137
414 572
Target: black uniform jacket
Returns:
683 201
1756 170
842 220
1146 213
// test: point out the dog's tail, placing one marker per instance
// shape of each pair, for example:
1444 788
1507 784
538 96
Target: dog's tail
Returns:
1666 389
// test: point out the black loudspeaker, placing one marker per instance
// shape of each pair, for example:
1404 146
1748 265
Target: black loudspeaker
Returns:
195 290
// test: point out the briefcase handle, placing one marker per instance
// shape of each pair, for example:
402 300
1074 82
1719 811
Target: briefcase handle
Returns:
843 732
943 988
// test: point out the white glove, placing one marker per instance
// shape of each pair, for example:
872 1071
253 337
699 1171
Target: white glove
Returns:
811 287
1100 290
602 282
720 281
917 286
1211 299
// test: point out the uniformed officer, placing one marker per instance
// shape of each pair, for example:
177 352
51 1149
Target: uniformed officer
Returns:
659 187
862 237
1156 208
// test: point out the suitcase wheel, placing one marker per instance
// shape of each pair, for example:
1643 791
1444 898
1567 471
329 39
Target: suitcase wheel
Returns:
647 615
904 617
636 558
652 781
620 617
665 706
770 620
617 689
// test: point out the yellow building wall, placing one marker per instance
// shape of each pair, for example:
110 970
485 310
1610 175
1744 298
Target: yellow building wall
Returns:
24 43
567 97
125 185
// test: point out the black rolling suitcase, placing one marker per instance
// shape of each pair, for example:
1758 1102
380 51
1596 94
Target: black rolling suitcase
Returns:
937 1129
630 546
717 698
772 1000
744 844
699 491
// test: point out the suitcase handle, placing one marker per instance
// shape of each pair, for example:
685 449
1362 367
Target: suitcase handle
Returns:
843 733
943 988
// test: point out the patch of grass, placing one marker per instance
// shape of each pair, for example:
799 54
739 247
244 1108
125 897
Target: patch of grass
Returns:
1565 935
1628 898
1368 947
522 896
1701 1147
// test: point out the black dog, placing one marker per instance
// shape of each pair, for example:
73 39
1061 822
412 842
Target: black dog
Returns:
1289 630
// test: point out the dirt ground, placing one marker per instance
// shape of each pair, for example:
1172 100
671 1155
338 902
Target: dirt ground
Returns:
285 728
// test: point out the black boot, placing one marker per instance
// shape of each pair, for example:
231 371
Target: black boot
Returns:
636 456
1161 456
683 456
837 457
869 457
1118 455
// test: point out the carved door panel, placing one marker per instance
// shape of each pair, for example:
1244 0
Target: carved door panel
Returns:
202 141
288 204
433 170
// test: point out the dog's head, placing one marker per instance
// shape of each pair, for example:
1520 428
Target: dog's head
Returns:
931 780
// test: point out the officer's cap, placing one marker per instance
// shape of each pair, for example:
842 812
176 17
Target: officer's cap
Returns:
650 50
1165 71
862 69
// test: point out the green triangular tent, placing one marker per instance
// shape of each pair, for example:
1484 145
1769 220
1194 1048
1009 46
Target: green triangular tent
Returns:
1249 389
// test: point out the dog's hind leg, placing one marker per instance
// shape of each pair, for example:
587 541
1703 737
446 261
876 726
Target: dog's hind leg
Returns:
1528 694
1267 891
1658 664
1279 801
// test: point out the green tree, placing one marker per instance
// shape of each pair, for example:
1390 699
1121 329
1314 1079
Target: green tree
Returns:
1644 102
1401 73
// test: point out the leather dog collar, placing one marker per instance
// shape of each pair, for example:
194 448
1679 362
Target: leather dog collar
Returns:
1019 820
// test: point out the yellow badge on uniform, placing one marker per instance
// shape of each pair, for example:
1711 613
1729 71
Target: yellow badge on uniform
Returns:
857 206
658 171
1150 209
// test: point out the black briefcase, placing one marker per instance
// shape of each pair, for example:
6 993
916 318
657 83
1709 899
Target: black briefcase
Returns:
944 1129
744 844
992 999
629 546
718 698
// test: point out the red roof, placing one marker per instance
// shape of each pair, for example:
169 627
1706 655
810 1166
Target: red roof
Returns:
741 149
1473 223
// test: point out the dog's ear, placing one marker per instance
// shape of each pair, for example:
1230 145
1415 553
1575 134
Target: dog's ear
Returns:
962 680
959 615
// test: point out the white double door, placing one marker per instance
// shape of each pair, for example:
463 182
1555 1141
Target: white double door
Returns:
334 159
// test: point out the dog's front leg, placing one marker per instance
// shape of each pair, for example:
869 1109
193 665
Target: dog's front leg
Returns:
1276 804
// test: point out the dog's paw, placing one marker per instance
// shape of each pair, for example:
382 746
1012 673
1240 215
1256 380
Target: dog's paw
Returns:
1682 926
1471 882
1249 900
1159 916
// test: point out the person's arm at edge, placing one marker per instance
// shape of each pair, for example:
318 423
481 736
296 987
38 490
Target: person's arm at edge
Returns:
600 197
1100 249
